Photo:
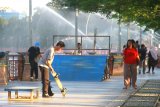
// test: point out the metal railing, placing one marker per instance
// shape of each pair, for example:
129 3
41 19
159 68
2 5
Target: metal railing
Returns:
89 44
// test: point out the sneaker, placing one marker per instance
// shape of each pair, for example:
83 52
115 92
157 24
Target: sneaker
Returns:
36 79
31 78
135 86
125 87
51 94
45 96
144 72
148 72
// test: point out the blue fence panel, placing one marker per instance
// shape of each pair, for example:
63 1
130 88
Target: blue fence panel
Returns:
79 68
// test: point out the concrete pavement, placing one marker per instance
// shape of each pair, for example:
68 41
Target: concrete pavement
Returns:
108 93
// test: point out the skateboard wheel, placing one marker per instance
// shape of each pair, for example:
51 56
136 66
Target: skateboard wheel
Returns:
64 91
56 76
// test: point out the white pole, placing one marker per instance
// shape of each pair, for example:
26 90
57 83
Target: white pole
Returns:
76 27
128 31
140 38
151 39
30 21
94 43
119 37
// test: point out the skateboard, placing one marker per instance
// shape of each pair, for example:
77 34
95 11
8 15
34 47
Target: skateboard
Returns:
59 84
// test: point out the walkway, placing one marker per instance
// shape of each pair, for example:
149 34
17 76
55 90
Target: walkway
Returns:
80 94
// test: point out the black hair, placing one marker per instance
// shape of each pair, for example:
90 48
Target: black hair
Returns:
61 44
129 40
134 43
142 45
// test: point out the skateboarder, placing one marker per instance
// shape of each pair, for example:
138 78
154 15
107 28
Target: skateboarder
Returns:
45 65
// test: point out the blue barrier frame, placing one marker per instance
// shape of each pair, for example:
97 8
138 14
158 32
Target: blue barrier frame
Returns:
79 67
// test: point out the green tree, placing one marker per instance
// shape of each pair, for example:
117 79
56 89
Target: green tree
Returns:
144 12
3 23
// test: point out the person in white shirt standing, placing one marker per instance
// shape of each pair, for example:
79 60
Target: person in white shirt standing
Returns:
45 64
152 59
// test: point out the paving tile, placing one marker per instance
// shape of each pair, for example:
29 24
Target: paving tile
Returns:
108 93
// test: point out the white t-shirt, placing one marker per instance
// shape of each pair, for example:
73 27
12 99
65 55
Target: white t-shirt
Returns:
48 55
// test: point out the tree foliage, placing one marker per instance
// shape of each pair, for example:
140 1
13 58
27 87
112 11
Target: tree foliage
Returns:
144 12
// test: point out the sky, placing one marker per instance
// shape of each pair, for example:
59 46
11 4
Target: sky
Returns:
21 6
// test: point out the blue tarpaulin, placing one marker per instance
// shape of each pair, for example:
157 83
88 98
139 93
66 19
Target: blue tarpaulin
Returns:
79 68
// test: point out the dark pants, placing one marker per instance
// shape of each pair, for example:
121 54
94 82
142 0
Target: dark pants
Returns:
142 66
34 69
151 66
45 79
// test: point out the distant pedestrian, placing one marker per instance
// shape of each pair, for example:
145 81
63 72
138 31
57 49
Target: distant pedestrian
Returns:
124 47
131 56
34 52
152 59
137 45
142 54
158 52
79 49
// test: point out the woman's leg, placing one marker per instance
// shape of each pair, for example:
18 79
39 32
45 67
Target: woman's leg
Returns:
134 75
127 74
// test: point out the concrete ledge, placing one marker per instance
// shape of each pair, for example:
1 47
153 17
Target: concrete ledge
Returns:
31 90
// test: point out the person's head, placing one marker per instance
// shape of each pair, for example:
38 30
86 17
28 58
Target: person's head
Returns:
78 45
143 46
129 43
59 46
124 46
134 44
37 44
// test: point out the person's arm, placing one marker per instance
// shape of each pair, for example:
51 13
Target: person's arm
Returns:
138 57
49 64
39 52
28 51
49 61
124 54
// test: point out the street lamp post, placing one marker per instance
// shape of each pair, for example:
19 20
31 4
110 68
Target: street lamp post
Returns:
94 43
128 31
30 21
140 39
151 39
76 27
119 37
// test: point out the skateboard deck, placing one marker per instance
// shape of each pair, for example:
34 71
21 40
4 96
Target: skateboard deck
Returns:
59 84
